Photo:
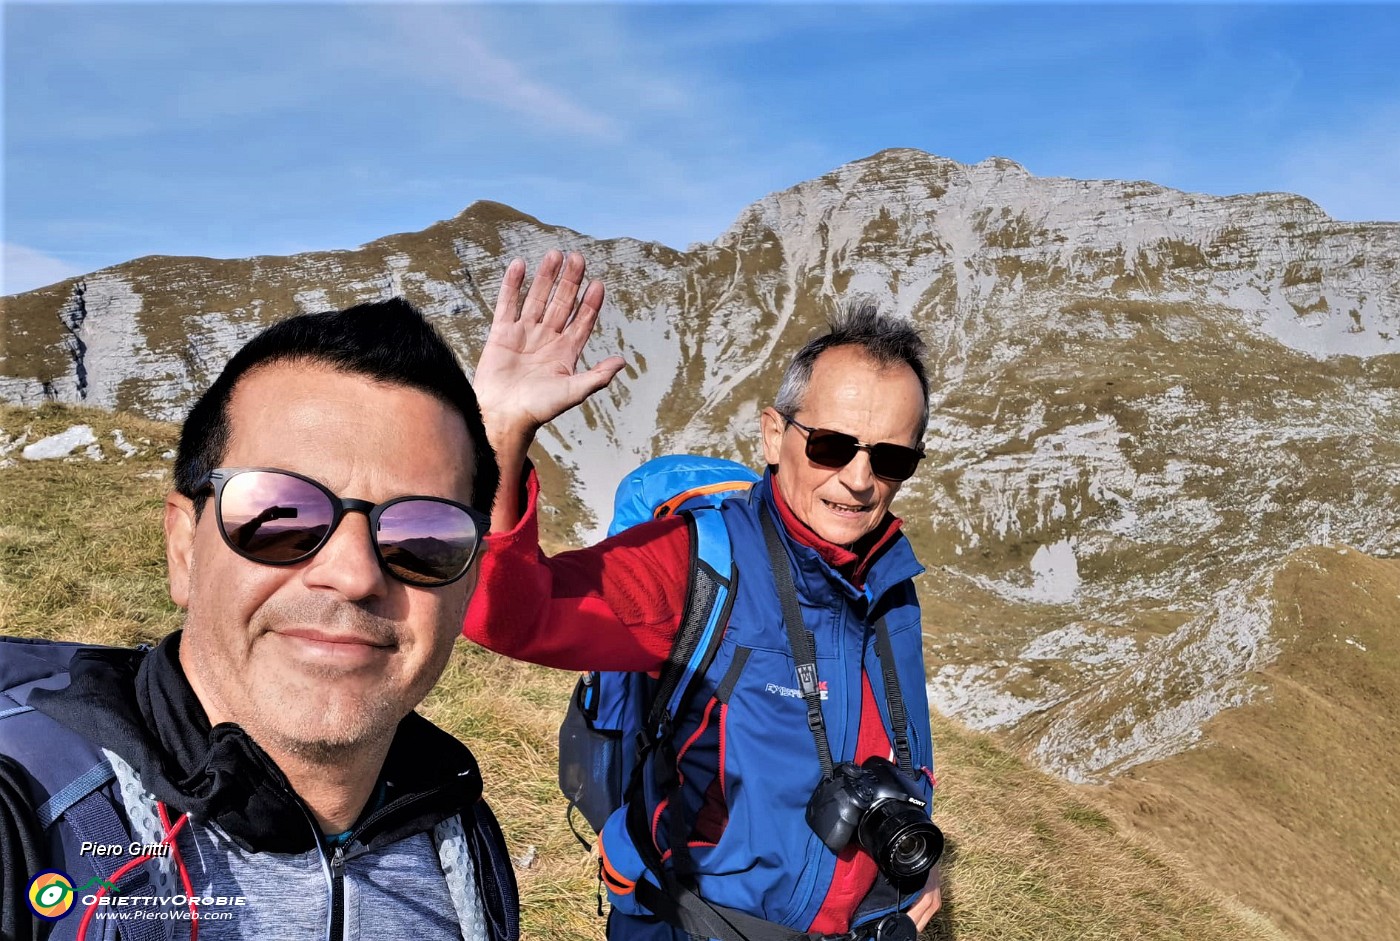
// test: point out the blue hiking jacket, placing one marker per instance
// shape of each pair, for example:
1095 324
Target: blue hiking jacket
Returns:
746 741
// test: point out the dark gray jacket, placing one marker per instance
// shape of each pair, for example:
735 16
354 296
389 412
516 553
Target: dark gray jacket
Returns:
93 740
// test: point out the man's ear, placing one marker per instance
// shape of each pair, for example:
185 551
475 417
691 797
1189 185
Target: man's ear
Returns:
179 545
773 426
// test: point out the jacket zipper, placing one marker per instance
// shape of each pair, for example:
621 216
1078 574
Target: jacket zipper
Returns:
336 927
337 930
335 918
394 806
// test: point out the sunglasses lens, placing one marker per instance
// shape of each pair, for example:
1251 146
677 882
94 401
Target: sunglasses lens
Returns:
274 518
893 461
426 542
830 448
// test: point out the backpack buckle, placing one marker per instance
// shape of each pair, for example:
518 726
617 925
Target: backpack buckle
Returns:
664 727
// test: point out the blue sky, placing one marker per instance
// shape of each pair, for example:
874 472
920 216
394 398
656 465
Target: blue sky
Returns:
233 129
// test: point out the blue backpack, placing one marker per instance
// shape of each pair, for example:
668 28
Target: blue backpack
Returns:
49 775
616 720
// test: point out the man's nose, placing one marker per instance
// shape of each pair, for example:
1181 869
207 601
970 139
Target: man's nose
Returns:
348 563
857 475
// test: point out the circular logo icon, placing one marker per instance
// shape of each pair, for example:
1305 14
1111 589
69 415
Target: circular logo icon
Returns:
51 894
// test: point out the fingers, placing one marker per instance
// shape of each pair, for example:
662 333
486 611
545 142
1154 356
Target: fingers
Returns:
532 311
561 305
605 371
553 300
508 301
929 901
582 325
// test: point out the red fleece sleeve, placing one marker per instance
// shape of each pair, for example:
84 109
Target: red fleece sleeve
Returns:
613 606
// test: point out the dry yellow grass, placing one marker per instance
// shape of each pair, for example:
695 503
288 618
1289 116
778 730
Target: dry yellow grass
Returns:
1291 802
81 551
1028 860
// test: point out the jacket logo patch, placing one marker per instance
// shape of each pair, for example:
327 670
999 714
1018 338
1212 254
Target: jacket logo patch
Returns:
790 693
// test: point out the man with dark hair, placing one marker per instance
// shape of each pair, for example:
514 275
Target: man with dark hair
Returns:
388 342
734 851
261 772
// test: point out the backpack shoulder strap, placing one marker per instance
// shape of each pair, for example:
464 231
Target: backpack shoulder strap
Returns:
480 876
710 592
710 588
61 766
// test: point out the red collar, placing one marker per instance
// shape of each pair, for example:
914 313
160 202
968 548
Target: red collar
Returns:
852 563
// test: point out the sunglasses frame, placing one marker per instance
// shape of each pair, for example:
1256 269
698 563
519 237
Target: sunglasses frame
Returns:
340 506
857 446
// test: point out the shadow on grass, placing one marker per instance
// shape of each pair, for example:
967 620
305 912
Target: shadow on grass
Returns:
941 927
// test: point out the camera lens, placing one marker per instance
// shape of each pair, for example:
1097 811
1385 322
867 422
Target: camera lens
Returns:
904 842
909 850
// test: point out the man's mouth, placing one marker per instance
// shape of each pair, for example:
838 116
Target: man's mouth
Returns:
846 509
336 649
333 637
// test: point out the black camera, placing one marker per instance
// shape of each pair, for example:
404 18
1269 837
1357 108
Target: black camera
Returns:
878 807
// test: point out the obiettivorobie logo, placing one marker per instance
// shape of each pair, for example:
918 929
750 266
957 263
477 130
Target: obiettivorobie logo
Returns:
52 896
51 893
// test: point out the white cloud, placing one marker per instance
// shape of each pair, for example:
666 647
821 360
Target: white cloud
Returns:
448 47
1353 173
26 269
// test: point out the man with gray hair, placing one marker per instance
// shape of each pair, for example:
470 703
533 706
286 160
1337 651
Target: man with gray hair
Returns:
803 768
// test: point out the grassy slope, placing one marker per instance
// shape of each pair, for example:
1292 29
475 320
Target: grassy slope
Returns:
1295 797
80 558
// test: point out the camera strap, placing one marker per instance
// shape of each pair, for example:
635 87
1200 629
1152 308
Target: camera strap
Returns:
804 651
899 718
804 655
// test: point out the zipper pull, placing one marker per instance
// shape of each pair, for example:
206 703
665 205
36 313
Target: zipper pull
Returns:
337 901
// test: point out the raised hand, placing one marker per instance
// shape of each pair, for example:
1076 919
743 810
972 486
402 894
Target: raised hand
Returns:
527 374
528 371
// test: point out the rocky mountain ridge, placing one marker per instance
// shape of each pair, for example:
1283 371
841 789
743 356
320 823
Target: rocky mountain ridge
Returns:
1145 401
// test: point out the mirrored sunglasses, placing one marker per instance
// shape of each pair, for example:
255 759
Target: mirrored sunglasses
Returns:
836 449
278 517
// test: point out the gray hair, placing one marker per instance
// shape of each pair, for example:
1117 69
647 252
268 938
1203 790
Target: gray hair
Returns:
889 341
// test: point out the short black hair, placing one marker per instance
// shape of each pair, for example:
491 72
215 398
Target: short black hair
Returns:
388 341
887 340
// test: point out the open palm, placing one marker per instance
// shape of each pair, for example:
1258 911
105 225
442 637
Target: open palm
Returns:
528 371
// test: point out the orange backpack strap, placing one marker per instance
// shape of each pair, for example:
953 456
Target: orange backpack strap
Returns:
675 503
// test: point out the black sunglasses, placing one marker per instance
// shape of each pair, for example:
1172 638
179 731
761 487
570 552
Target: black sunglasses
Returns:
277 517
836 449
